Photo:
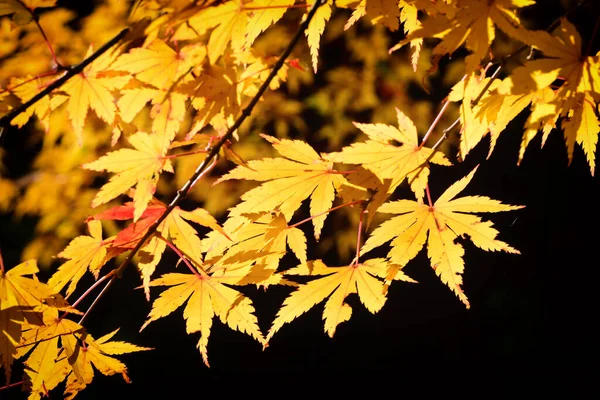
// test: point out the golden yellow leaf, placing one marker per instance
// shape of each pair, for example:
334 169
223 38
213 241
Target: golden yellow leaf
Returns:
83 351
83 253
440 225
576 98
92 89
18 291
289 181
44 368
206 297
158 64
473 25
386 160
337 284
140 167
264 14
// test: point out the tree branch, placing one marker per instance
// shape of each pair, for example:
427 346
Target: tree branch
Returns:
214 151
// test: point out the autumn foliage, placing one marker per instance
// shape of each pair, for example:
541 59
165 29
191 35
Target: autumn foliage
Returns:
141 104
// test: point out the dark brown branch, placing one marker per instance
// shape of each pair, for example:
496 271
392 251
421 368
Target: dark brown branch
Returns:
214 151
71 72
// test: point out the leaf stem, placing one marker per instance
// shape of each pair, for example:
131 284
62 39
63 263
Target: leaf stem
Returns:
429 201
214 151
435 122
12 385
112 275
57 64
358 238
71 72
188 153
325 212
88 291
200 275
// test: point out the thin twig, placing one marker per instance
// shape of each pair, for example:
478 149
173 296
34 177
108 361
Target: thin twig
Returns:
214 151
71 72
325 212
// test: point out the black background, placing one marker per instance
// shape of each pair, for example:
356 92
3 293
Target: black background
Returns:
531 322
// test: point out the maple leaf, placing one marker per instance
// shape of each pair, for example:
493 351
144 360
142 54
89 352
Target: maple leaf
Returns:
27 87
257 244
214 96
18 291
576 99
336 284
381 156
21 301
206 297
229 21
167 112
92 89
158 64
44 369
440 225
491 114
289 181
84 253
140 166
83 351
473 24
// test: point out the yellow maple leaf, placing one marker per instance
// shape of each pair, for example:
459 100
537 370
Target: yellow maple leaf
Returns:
22 300
257 244
206 297
473 24
92 89
301 174
83 253
440 225
18 291
336 284
158 64
27 87
577 97
167 112
140 166
228 23
45 369
491 114
386 160
83 351
214 97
